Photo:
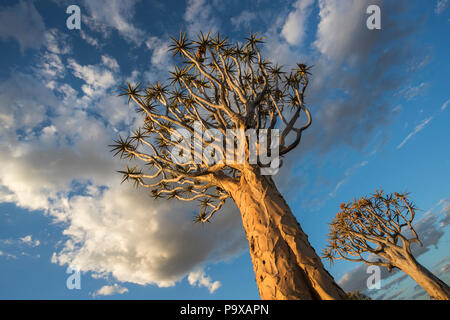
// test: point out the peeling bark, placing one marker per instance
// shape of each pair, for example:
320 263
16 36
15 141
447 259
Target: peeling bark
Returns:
285 264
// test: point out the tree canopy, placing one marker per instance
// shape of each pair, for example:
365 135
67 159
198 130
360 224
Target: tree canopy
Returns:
217 86
379 225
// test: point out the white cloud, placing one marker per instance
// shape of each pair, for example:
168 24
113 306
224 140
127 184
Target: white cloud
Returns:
160 58
445 105
124 233
342 33
441 5
97 78
296 24
110 290
29 241
110 229
51 66
110 62
416 130
198 278
23 102
115 14
23 23
56 42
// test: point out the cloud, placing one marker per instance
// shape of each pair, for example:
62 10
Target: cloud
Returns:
395 282
56 42
441 5
110 290
55 159
110 62
51 66
446 211
430 232
295 26
152 243
23 101
445 268
416 130
63 167
29 241
198 278
244 19
445 105
412 92
349 90
356 279
18 247
199 16
396 294
160 58
23 23
89 39
97 79
347 174
117 15
342 32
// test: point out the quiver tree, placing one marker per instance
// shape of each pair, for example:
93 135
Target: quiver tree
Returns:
217 87
378 230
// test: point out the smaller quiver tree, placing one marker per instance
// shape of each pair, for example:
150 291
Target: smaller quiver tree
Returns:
378 230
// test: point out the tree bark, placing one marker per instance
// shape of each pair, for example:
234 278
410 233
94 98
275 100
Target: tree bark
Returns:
285 264
436 288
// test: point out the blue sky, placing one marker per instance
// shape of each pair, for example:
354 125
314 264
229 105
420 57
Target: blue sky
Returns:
381 108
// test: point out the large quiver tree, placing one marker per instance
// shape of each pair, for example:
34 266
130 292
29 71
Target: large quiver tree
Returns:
219 87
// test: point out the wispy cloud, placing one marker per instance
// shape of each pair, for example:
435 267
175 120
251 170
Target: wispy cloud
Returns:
416 130
23 23
110 290
347 174
199 16
29 241
441 5
445 105
90 40
198 278
412 92
117 15
244 19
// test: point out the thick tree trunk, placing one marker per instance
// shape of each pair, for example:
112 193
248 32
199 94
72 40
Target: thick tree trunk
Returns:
435 287
285 264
